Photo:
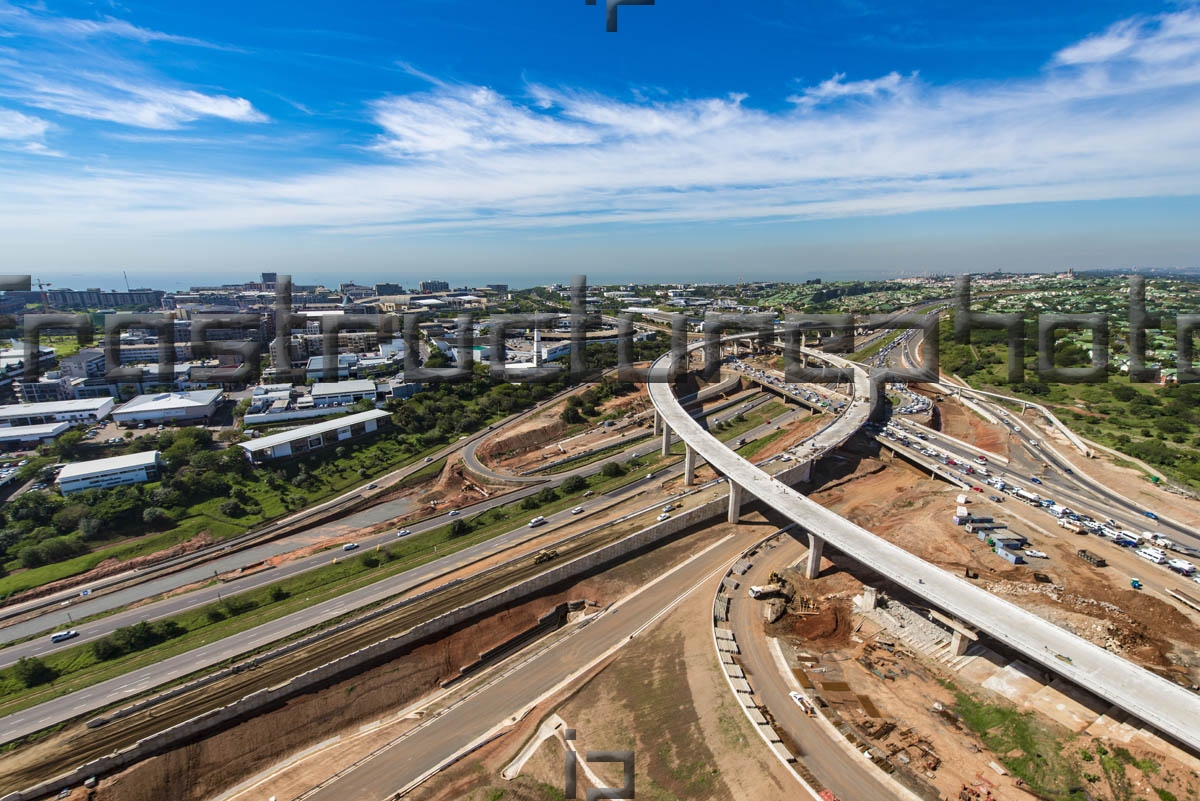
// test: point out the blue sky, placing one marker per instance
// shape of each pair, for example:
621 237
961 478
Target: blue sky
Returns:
520 142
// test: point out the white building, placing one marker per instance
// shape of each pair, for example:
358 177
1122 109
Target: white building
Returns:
134 468
175 407
342 393
304 440
84 410
24 437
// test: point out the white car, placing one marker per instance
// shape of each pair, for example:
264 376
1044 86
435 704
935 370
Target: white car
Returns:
403 533
454 513
1036 554
577 510
663 517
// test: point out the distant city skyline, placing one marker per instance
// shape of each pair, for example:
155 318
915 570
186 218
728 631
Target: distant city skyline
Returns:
703 141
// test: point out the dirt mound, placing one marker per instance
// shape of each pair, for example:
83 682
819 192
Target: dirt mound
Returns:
829 626
539 432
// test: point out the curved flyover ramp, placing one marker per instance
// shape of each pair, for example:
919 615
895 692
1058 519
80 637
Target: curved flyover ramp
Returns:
1156 701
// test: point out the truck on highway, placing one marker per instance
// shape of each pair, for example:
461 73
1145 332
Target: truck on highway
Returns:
1074 526
766 590
1029 497
1181 566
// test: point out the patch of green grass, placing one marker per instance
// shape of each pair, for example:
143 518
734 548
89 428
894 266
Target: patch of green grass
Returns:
1025 745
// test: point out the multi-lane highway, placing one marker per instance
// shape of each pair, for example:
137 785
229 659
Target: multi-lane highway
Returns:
136 682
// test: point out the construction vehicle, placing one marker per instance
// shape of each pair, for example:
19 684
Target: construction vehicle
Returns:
1091 558
765 590
545 556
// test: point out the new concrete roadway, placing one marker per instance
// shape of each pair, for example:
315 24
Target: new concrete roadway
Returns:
1152 699
843 770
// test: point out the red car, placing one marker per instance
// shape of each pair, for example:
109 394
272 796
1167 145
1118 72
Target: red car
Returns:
977 489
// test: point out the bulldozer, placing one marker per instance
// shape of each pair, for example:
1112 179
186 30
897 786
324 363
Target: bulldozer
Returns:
545 556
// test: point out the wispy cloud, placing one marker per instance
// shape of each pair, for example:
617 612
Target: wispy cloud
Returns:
43 24
101 97
22 132
61 64
837 88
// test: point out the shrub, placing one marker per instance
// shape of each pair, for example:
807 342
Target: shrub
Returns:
32 672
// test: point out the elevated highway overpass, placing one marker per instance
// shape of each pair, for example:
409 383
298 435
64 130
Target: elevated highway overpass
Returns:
1169 708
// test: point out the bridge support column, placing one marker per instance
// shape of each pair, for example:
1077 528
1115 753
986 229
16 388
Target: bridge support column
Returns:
658 424
812 566
870 598
959 643
666 439
689 466
735 502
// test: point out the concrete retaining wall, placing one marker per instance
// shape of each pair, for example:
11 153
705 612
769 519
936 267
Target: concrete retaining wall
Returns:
213 721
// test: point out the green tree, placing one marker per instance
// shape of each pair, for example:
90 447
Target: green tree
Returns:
33 672
612 470
574 484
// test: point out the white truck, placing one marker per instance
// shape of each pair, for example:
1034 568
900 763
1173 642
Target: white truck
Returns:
1181 566
765 590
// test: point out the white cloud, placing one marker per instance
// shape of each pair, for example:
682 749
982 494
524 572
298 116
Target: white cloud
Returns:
15 125
40 23
466 118
106 98
60 66
836 88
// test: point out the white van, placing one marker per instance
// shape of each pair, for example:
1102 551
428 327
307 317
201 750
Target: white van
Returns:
1153 555
537 521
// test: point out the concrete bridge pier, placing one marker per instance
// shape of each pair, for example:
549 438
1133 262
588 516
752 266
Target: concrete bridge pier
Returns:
735 502
959 643
812 565
689 466
666 440
658 423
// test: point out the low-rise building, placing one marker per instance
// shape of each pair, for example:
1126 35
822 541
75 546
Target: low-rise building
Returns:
307 439
27 437
133 468
174 407
343 393
85 410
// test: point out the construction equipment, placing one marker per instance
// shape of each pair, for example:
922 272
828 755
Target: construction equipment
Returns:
545 556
